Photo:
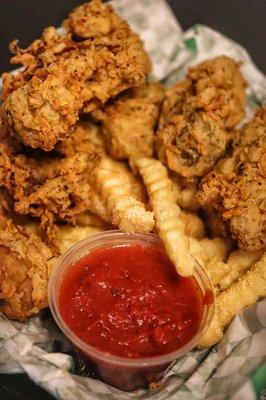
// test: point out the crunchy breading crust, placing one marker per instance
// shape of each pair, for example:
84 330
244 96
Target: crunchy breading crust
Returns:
24 270
236 187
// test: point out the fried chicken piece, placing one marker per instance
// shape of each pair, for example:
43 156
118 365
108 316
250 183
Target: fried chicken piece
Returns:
129 122
220 87
25 267
86 138
190 145
85 75
38 54
48 187
93 20
63 196
236 187
191 137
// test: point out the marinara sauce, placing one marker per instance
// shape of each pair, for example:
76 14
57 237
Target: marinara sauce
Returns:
129 301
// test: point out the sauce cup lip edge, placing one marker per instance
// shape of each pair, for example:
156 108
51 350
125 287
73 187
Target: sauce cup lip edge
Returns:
100 355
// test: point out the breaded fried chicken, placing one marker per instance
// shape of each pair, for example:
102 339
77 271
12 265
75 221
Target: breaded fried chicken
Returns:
192 132
25 267
236 187
45 105
220 87
94 20
129 122
86 138
48 187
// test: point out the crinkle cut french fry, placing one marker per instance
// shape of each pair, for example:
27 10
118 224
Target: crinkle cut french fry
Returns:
239 262
250 287
167 214
127 212
223 274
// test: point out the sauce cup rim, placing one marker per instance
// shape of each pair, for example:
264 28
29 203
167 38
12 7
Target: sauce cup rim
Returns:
88 245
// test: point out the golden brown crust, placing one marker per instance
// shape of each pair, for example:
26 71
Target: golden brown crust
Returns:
129 122
192 134
62 76
236 187
25 267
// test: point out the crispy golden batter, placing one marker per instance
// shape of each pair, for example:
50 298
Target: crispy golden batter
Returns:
94 20
220 88
24 270
49 188
37 55
190 145
129 122
62 197
236 187
85 138
191 135
42 111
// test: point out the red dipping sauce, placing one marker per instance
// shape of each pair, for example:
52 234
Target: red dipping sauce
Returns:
130 302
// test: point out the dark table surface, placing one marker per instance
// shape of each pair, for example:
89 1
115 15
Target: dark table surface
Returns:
242 20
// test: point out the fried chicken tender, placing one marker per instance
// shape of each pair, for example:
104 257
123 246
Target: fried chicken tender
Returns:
93 20
86 138
129 122
236 187
62 197
246 291
191 135
220 87
38 54
191 146
43 110
25 267
49 188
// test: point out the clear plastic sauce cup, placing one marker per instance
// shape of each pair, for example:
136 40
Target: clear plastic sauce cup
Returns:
123 373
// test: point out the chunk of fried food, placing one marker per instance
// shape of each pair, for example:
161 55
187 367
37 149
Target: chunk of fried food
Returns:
167 214
191 144
246 291
25 267
128 213
68 236
129 122
94 20
38 54
236 188
42 110
85 138
60 197
220 88
191 135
